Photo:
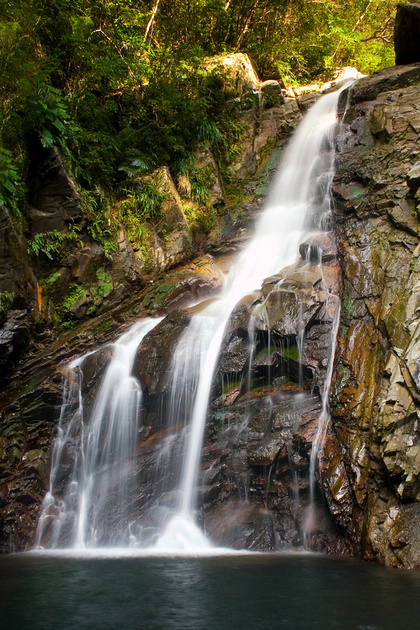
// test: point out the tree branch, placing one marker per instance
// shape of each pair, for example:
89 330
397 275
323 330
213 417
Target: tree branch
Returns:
152 17
380 34
99 30
362 16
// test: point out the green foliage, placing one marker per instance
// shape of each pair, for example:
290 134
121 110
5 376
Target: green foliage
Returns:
249 101
149 199
290 352
48 243
122 97
76 291
65 312
100 225
200 219
50 280
6 300
136 168
269 101
51 243
141 204
209 132
127 215
49 114
156 296
9 180
73 234
232 130
193 182
104 287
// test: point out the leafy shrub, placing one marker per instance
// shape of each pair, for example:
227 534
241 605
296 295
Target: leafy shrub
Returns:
99 226
49 114
104 287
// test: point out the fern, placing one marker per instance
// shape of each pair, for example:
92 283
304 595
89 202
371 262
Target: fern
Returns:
48 243
209 132
9 179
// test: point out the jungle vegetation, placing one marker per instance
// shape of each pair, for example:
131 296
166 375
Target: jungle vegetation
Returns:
122 86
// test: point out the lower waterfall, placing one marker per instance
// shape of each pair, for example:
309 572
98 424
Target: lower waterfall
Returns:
93 481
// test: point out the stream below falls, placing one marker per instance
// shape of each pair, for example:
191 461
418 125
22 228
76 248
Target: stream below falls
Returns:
249 591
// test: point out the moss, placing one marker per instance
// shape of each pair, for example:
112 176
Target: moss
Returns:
51 286
46 282
347 305
155 298
395 324
217 422
291 352
6 300
65 314
231 385
357 192
104 287
76 292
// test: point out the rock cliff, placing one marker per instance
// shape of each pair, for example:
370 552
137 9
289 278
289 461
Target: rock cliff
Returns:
376 390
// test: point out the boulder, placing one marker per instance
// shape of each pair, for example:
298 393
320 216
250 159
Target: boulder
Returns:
236 72
413 177
406 34
271 93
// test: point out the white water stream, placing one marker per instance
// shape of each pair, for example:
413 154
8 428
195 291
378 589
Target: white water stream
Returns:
93 511
275 245
94 508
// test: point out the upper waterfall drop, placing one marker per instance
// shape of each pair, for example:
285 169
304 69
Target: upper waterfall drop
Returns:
89 503
275 245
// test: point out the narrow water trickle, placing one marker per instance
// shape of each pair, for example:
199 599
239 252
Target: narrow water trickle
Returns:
92 467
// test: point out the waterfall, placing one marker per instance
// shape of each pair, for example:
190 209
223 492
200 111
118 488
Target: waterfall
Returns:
275 245
94 453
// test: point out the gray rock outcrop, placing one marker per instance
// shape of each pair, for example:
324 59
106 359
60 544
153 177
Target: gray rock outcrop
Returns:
376 395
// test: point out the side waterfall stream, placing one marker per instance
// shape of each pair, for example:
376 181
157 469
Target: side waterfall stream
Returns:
89 506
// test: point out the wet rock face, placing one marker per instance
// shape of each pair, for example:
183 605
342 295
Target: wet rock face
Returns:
26 427
253 488
406 33
265 406
376 395
266 402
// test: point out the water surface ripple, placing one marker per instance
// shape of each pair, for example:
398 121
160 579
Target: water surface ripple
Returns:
246 591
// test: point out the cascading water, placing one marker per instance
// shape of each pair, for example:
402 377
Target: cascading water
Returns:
275 245
93 455
94 509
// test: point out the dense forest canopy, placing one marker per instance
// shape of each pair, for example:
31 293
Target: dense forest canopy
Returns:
122 86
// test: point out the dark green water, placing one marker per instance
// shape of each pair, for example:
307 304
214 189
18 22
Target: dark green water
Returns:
211 593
